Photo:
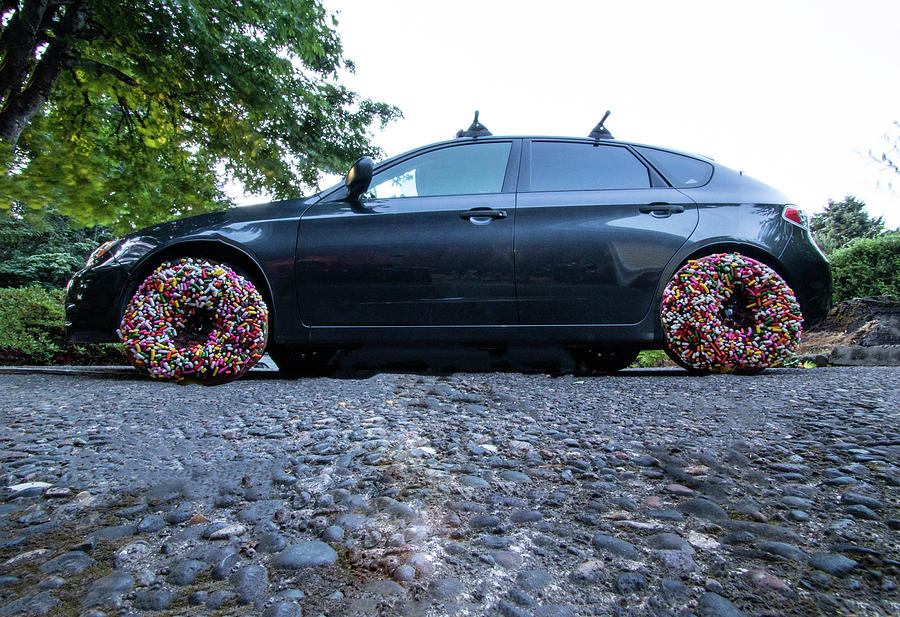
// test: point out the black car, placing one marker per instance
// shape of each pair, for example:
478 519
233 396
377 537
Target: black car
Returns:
479 240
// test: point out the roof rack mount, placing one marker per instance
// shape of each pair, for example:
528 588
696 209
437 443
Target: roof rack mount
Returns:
476 129
600 131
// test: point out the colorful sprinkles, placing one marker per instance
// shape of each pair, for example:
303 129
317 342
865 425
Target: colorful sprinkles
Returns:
729 312
195 320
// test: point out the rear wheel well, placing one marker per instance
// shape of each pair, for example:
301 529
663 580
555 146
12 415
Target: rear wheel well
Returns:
213 251
723 247
759 255
744 249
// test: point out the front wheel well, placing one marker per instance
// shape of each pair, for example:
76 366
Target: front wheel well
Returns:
213 251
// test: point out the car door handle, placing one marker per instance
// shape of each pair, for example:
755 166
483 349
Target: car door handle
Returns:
483 213
661 209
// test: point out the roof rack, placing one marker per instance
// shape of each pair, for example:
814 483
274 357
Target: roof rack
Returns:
600 131
476 129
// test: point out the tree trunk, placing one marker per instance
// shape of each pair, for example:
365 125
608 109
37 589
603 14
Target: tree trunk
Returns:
24 91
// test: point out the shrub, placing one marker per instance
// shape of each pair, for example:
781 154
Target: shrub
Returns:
868 267
32 331
46 252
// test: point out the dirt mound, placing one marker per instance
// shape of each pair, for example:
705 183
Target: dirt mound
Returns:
860 331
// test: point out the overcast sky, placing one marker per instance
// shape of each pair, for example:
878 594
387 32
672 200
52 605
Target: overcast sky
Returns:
794 93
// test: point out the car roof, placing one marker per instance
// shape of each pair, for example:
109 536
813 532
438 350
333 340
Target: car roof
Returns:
458 140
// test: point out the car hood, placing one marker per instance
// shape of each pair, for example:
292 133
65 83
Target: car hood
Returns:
213 225
206 224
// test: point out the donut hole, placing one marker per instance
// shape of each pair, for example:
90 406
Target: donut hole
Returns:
199 324
734 313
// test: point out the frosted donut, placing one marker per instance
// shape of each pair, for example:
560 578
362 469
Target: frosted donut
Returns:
728 312
195 320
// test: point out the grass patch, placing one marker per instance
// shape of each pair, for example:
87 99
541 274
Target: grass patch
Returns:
651 358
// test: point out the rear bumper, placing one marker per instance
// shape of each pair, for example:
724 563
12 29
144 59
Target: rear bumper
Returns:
92 304
810 277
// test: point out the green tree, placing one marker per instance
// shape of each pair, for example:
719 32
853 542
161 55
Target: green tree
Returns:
125 113
889 157
842 222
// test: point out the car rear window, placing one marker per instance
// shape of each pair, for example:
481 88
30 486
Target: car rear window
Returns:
681 171
567 166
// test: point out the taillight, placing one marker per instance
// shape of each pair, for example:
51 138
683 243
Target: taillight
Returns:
796 216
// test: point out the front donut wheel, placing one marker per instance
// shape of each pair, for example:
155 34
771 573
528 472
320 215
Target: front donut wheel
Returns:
195 321
729 313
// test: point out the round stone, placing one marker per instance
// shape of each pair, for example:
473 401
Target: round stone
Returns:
474 481
333 533
151 524
832 563
308 554
219 531
515 476
186 571
283 608
628 583
714 605
702 508
152 600
615 546
73 562
250 583
404 573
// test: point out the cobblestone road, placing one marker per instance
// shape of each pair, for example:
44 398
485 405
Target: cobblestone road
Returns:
644 493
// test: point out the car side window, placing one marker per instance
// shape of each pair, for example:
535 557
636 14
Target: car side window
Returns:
458 170
682 172
567 166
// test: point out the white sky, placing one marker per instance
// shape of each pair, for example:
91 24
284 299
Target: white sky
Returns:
795 93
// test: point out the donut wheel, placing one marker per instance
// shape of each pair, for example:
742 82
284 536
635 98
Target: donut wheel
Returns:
195 321
729 313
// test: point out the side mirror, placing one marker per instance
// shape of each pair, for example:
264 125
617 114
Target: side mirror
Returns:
359 177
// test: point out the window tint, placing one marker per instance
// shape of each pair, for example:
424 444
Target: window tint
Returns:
458 170
560 166
681 171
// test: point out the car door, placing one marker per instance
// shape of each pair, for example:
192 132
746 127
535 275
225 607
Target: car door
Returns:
595 227
430 243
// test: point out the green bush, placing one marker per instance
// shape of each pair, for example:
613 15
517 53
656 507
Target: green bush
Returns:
868 267
32 331
46 252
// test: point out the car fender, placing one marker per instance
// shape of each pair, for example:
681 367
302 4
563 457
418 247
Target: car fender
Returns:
213 246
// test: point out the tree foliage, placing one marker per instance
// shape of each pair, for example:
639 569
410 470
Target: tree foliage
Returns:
44 254
842 222
889 157
125 113
867 267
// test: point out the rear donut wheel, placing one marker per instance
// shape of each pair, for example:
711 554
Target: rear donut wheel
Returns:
674 357
729 313
593 360
195 321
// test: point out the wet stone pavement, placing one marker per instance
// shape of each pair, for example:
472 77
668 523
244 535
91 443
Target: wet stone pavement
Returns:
644 493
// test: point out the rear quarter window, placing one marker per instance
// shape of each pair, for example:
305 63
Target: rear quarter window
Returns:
567 166
682 172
